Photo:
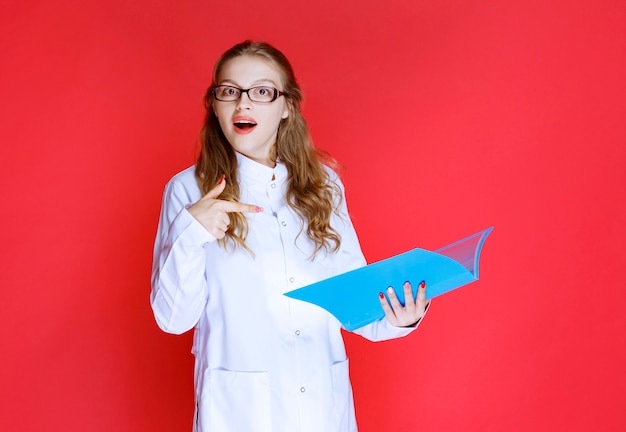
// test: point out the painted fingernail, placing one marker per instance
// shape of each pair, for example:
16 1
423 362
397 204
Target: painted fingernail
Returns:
221 179
422 284
390 290
407 283
381 295
259 209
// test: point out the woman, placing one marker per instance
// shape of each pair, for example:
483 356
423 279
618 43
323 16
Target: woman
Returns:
259 215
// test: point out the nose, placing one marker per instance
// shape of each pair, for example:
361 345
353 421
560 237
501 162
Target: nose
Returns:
244 101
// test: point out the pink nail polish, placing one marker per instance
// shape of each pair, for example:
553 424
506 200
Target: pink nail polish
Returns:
259 209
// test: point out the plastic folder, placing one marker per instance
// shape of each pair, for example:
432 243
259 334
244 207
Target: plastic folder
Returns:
352 297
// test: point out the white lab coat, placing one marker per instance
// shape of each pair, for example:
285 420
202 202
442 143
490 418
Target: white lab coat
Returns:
264 362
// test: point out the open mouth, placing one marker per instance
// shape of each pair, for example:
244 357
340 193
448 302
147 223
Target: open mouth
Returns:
244 125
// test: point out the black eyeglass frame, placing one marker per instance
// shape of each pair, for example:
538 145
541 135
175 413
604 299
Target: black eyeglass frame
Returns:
277 93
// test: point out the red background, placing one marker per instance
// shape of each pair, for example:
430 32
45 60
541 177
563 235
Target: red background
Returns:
450 116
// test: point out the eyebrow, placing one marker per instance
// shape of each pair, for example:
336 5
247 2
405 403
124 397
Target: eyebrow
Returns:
255 83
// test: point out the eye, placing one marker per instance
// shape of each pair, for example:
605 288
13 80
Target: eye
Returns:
226 93
264 93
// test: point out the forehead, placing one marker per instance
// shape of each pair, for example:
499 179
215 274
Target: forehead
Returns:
247 70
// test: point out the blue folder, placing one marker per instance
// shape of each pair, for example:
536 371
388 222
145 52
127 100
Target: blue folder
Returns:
352 297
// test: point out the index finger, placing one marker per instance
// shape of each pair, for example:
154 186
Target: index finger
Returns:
233 207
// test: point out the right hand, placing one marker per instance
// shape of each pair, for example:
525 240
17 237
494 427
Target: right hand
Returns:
212 213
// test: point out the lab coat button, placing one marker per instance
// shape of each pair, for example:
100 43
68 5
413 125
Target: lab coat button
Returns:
291 279
273 185
302 389
297 332
283 223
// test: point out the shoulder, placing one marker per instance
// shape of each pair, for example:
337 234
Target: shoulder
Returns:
337 187
333 177
184 184
185 177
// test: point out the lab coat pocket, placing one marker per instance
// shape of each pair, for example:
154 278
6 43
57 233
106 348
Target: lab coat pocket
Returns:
237 401
342 394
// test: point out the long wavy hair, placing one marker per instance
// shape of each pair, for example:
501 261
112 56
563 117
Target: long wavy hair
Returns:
311 193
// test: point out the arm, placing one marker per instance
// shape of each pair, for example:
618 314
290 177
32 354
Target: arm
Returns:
179 292
179 289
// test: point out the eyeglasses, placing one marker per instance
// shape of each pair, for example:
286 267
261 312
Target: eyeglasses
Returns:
260 94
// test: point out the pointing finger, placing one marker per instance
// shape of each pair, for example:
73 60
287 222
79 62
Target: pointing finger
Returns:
231 207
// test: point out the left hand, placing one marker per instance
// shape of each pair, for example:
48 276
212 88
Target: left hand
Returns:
413 309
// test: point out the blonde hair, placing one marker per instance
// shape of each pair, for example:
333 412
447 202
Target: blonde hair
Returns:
311 193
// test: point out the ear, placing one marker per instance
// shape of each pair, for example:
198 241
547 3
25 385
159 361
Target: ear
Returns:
286 111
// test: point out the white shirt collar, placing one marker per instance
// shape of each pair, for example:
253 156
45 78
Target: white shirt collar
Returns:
257 172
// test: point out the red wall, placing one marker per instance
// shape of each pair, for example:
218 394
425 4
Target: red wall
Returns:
450 116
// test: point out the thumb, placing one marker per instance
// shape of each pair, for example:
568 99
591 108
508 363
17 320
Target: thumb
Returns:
217 190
